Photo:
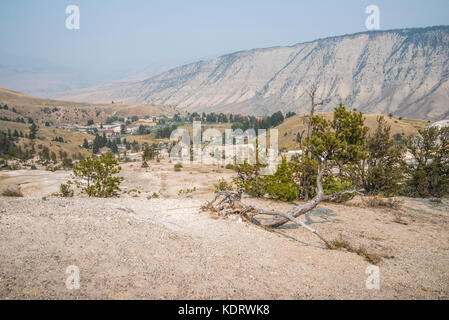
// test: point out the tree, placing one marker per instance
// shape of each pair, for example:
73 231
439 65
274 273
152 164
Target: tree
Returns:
96 176
45 153
150 152
250 180
383 170
33 131
290 114
428 171
314 104
85 144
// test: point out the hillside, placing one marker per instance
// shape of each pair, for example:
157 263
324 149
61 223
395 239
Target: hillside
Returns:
64 112
404 72
291 126
46 135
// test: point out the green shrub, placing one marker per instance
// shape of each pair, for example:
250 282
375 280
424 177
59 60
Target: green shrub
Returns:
178 167
154 196
96 176
65 190
280 186
332 185
223 185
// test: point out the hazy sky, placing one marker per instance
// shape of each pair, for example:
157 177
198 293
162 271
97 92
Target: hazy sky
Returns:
126 36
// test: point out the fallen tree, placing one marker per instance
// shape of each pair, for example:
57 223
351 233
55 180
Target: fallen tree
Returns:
230 202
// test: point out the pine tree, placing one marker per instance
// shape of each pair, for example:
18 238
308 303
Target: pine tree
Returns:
33 131
383 170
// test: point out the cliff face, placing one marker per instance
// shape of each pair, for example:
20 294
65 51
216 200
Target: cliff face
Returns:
404 72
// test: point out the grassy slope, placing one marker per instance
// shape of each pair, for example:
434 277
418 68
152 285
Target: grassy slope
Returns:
290 127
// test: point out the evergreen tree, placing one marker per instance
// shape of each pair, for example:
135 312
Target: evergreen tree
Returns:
383 170
33 131
429 169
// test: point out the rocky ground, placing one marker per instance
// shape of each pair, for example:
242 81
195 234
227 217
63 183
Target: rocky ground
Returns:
166 247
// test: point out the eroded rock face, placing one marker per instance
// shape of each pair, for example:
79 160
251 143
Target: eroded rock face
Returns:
441 124
404 72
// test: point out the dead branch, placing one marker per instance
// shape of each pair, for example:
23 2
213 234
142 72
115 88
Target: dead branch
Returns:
231 203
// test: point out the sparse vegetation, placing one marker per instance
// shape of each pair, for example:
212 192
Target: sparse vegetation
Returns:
342 244
223 185
65 190
10 192
377 202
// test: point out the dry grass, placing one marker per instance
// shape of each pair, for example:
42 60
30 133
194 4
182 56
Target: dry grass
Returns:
342 244
398 218
12 193
376 202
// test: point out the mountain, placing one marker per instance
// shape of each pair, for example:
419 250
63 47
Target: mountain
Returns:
404 72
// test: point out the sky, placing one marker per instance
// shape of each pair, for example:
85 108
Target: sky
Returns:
122 37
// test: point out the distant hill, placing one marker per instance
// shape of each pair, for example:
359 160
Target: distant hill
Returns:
64 112
404 72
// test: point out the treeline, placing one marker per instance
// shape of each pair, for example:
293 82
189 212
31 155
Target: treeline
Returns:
18 119
8 143
350 159
102 141
10 150
164 133
251 121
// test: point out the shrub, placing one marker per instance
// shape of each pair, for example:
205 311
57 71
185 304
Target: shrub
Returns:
280 186
178 167
223 185
12 193
342 244
96 176
154 196
332 185
65 190
144 164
